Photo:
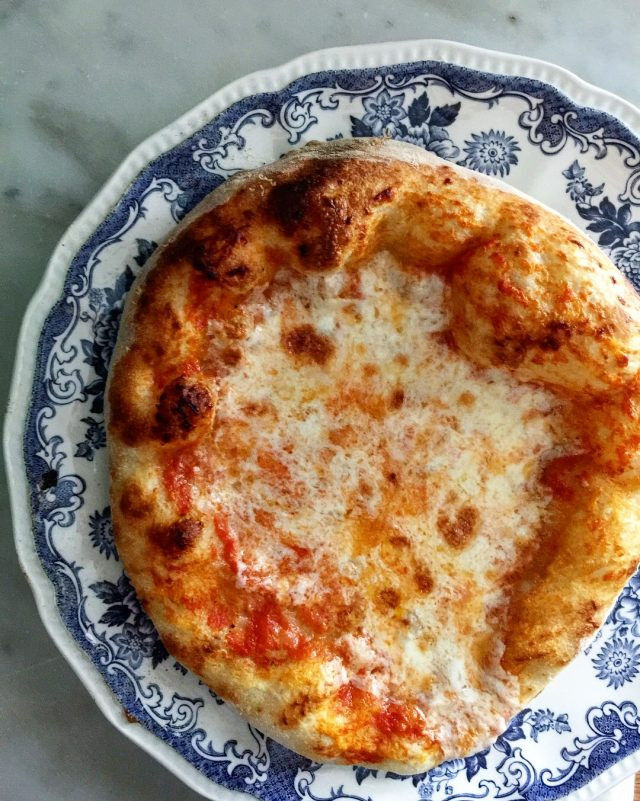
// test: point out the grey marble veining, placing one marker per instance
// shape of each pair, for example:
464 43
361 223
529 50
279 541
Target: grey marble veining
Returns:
81 83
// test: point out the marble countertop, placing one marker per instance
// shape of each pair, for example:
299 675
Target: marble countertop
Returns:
81 83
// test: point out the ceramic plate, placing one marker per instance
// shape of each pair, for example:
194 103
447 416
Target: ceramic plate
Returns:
535 126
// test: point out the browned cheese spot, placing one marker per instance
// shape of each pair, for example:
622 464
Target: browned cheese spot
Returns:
459 530
397 398
344 436
258 408
424 579
389 597
181 406
231 356
306 344
264 518
445 338
237 325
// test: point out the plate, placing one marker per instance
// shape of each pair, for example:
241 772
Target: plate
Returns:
532 124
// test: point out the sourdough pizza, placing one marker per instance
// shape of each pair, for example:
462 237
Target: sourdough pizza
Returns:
373 432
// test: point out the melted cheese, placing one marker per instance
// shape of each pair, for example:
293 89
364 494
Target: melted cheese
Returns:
391 457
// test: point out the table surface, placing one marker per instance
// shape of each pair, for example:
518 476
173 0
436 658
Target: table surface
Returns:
81 83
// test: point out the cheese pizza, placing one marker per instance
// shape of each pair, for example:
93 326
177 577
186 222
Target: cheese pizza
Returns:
373 434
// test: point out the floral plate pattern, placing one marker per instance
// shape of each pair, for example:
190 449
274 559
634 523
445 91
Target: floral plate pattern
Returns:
531 124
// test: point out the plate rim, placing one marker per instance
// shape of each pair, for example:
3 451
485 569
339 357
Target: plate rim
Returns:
51 284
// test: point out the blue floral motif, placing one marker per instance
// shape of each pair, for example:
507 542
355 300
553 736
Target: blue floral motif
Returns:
439 778
419 124
383 113
134 644
627 255
626 613
433 138
514 732
578 187
363 773
138 638
617 662
105 310
95 438
617 232
536 722
619 659
544 720
101 533
474 763
491 152
614 225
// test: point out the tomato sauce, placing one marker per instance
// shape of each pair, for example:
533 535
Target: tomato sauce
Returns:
350 696
229 541
218 617
269 637
405 720
316 617
178 478
390 718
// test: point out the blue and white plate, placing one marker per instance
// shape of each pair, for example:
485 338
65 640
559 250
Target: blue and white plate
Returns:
535 126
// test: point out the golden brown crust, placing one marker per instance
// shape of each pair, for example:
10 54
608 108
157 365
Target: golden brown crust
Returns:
527 294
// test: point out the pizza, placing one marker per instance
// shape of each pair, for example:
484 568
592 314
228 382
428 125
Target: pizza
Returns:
373 434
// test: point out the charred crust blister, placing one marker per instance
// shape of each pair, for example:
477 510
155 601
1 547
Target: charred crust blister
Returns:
178 537
317 211
182 405
385 195
133 502
220 256
514 349
289 203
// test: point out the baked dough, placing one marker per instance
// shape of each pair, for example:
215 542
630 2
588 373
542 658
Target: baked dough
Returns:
373 436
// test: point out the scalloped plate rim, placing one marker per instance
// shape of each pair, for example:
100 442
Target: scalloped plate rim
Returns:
48 291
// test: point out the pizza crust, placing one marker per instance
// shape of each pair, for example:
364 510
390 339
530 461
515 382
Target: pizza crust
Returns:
250 288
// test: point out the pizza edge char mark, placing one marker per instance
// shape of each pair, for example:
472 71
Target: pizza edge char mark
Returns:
526 292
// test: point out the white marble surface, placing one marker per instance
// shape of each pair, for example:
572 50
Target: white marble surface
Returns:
81 83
